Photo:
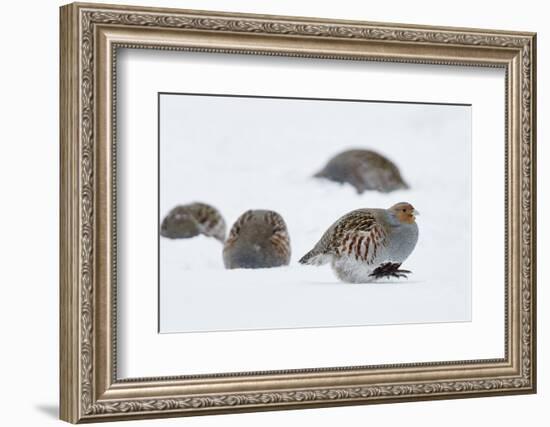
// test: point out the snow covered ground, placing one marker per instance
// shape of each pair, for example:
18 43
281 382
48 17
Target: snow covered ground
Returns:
243 153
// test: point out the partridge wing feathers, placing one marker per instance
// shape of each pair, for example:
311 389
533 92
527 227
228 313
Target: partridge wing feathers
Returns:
209 220
357 235
280 238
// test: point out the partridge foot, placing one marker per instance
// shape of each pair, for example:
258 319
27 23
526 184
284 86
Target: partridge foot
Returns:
389 269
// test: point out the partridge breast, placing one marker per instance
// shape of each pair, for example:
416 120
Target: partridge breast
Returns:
258 239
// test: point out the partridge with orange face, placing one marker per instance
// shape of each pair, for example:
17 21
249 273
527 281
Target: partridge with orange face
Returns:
368 244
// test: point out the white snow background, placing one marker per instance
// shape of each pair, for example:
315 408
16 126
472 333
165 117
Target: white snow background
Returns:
239 153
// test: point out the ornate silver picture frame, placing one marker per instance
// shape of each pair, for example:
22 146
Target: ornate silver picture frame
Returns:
92 36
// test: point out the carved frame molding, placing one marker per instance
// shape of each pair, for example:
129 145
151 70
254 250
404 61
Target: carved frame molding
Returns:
90 34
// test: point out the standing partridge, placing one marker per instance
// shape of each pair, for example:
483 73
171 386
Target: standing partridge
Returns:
258 239
368 244
365 170
190 220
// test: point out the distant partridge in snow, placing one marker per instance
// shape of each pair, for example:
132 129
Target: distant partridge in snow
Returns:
368 244
190 220
365 170
258 239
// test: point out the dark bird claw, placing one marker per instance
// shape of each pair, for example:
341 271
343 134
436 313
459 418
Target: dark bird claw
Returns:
389 269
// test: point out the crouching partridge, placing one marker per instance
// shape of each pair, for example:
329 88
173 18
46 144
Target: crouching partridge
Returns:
364 170
258 239
186 221
368 244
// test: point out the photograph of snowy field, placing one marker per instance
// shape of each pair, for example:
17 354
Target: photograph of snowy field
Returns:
237 153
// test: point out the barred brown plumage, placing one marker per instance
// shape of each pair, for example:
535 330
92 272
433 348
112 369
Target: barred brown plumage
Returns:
185 221
367 244
258 239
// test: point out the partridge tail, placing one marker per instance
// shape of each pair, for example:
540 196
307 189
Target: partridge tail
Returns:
315 258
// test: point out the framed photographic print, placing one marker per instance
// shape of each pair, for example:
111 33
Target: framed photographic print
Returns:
266 212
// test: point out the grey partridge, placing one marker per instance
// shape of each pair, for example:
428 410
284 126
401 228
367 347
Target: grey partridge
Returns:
368 244
190 220
364 170
258 239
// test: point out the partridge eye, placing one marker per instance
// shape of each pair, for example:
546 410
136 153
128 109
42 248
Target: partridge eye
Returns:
404 210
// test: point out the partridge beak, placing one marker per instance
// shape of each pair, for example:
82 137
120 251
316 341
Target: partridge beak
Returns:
415 212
